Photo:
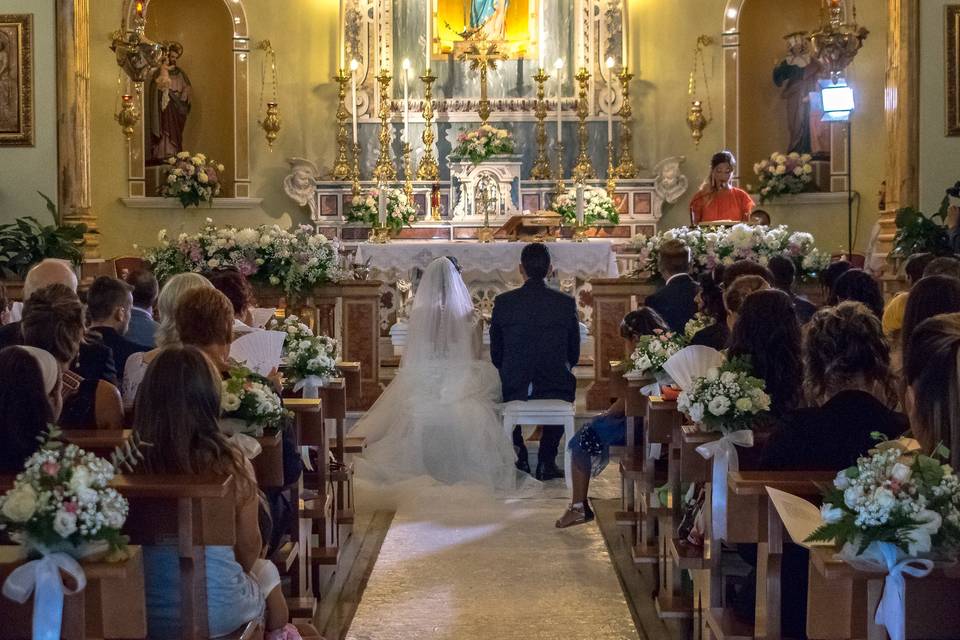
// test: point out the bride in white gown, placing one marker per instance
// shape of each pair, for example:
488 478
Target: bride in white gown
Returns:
438 417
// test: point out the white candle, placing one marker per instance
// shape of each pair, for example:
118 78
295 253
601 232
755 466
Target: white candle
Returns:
559 65
580 204
353 96
613 97
382 206
542 40
428 36
406 101
341 40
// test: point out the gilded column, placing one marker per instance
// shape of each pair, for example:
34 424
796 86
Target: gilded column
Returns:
902 105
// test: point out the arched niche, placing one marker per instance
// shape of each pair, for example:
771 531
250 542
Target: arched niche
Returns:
751 101
214 115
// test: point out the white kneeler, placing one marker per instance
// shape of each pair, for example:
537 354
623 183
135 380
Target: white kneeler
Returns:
543 412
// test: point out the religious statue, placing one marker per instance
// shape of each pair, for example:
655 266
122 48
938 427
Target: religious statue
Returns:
797 76
170 97
488 19
301 184
670 182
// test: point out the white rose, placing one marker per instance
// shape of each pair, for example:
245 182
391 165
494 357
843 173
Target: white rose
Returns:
231 402
712 374
80 479
20 504
728 377
780 170
744 405
900 472
852 496
841 482
213 263
65 524
830 514
719 406
696 412
884 499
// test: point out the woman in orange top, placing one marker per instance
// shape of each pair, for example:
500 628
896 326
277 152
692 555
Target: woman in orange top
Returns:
718 199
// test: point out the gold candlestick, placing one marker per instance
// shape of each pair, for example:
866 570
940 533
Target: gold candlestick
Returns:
341 167
583 170
356 170
428 170
561 187
626 169
407 173
541 165
611 172
385 171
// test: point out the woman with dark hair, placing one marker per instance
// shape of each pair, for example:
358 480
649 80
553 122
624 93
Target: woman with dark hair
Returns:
768 334
712 311
828 279
737 291
718 199
590 447
931 296
858 286
30 397
234 285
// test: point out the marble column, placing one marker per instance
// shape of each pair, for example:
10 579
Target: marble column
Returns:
73 120
902 103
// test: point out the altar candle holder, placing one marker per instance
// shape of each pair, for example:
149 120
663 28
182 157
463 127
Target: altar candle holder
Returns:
626 169
561 187
355 189
584 168
429 169
541 165
611 171
407 173
341 167
385 171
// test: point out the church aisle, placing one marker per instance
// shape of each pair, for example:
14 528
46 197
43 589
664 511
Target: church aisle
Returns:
459 564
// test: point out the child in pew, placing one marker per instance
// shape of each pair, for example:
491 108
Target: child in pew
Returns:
590 447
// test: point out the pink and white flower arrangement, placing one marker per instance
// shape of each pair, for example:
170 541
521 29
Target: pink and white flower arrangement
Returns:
483 142
400 211
249 399
308 357
598 207
653 350
191 178
784 174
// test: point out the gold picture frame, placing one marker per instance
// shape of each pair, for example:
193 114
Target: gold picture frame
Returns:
16 80
952 86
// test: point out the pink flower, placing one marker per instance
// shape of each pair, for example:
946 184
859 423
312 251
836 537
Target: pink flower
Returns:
51 468
70 507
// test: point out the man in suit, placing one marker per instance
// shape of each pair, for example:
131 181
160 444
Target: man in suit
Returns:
535 343
784 272
109 304
143 328
676 301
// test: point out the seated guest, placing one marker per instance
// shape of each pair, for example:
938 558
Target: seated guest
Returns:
109 304
893 312
849 389
736 292
676 300
710 302
760 217
30 397
943 266
53 321
859 286
767 333
233 284
932 376
932 296
143 328
828 279
784 272
590 447
166 336
745 268
44 273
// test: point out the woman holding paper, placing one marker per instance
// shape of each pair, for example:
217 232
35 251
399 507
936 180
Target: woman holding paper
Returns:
718 200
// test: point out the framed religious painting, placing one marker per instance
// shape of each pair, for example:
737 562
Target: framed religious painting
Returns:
952 66
16 80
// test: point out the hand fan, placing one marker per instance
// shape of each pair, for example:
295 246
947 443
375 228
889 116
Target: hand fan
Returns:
261 317
259 350
691 363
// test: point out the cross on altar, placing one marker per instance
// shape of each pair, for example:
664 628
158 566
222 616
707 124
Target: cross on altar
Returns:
483 55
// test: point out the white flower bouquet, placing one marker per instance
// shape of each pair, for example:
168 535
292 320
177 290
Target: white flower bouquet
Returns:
710 247
250 400
483 142
727 399
400 211
696 324
295 260
784 174
62 502
310 360
191 179
598 207
653 350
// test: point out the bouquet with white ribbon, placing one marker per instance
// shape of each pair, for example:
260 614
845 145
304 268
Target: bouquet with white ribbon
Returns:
249 402
652 351
311 360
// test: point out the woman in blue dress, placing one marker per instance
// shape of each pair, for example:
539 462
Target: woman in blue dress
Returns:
590 447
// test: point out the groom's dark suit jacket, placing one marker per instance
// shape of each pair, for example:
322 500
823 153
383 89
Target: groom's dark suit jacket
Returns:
535 339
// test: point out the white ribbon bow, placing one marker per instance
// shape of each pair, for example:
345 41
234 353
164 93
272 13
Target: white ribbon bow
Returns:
43 576
891 612
248 445
725 458
311 386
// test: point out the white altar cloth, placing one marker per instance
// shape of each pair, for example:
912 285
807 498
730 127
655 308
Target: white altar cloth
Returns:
581 260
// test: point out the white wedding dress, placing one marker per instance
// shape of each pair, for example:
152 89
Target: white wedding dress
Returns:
438 417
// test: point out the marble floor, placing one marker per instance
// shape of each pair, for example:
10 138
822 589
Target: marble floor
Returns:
460 563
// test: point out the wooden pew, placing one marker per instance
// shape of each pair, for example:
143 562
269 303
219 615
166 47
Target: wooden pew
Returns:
630 454
335 397
658 424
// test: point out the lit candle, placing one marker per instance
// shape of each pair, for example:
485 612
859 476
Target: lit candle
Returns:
580 204
406 101
382 206
353 95
559 65
613 98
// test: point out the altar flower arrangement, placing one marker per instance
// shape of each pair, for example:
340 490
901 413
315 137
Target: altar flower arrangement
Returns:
250 402
653 350
710 247
484 142
598 207
61 502
190 178
310 360
400 211
783 174
295 260
726 399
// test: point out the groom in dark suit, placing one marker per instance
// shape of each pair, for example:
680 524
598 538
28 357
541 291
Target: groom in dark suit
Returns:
535 343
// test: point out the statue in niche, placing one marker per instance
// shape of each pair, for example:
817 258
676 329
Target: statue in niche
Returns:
797 76
488 19
169 98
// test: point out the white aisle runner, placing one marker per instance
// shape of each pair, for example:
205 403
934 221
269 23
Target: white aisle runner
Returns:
459 564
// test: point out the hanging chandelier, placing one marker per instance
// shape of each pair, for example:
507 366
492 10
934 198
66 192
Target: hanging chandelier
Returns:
838 40
137 55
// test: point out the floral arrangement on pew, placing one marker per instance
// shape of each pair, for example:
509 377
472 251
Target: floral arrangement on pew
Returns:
710 247
598 207
191 179
310 360
296 260
894 511
400 211
483 142
249 403
652 351
784 174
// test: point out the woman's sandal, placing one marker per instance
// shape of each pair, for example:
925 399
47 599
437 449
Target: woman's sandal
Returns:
574 516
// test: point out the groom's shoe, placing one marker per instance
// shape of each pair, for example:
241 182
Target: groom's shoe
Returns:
548 471
523 465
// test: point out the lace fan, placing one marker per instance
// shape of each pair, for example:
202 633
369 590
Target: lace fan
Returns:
691 363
